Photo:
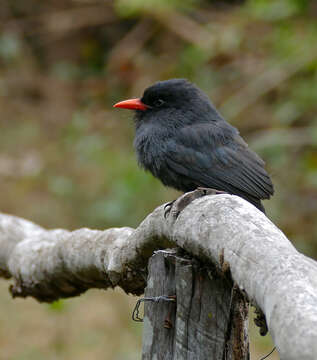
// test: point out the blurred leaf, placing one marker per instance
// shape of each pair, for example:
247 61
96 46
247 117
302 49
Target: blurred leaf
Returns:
10 47
191 58
277 9
61 186
287 112
66 70
136 7
57 306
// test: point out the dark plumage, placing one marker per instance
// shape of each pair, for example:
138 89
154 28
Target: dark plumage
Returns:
182 140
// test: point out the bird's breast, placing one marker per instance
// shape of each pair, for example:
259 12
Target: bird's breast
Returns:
150 147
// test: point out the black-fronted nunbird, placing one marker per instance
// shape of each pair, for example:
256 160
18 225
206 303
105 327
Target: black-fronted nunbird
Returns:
183 141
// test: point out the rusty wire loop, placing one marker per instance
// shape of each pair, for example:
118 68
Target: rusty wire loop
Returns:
267 355
136 310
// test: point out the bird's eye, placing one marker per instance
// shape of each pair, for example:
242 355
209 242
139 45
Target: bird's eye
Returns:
158 102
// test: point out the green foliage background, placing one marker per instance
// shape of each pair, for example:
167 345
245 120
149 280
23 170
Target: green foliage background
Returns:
66 157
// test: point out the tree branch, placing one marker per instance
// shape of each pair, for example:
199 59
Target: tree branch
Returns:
48 264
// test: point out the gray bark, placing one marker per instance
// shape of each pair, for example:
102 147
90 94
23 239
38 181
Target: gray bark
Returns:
279 280
209 319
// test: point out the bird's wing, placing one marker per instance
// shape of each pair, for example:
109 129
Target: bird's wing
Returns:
219 158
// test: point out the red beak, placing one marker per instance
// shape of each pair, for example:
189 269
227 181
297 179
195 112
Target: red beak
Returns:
133 104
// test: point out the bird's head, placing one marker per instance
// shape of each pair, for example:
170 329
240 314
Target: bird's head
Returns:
175 100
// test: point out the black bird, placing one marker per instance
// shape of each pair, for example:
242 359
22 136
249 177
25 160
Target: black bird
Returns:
183 141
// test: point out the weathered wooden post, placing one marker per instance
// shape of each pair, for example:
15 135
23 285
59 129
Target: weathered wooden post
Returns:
208 319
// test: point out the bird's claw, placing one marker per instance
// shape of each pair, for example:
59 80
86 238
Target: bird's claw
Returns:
168 208
175 207
208 191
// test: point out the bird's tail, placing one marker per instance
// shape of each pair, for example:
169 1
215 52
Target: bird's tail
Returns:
260 206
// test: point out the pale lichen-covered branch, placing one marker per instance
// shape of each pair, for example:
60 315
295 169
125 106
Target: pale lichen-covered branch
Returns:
49 264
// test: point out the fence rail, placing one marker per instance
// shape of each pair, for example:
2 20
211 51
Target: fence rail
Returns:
222 229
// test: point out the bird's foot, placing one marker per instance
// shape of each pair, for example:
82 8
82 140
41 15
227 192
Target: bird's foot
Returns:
168 208
208 191
175 207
